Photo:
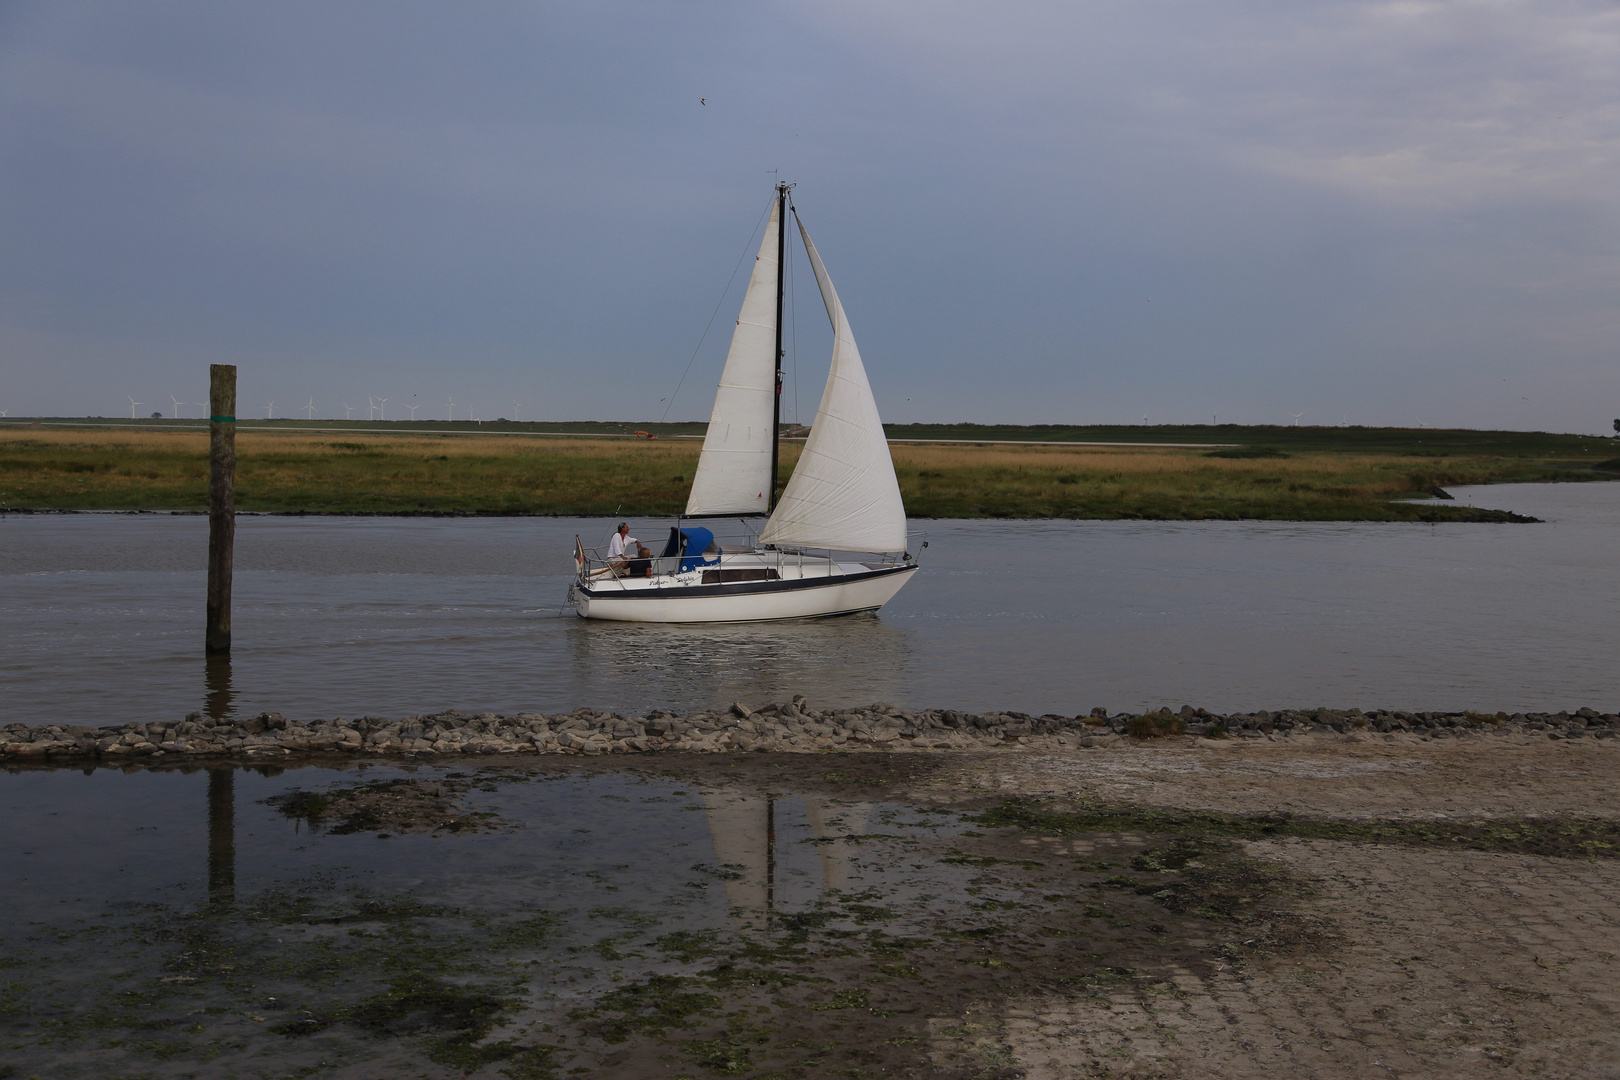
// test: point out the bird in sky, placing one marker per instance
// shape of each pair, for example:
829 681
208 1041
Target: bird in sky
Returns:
703 101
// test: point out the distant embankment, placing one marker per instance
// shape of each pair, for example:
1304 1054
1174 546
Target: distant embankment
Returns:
1223 472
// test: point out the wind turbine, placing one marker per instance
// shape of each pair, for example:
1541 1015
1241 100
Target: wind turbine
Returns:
371 407
383 408
517 410
132 404
413 409
176 405
309 410
1296 416
270 411
450 409
348 410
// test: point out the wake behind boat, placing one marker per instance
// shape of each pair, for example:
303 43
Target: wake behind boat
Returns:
842 497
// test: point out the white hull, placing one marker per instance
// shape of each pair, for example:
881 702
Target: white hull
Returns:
847 589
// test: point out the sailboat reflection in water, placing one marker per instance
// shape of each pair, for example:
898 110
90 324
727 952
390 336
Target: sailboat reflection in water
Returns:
759 846
842 498
868 659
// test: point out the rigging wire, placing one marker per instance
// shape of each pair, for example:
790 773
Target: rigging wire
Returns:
729 282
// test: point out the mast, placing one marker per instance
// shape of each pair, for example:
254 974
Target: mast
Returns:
781 270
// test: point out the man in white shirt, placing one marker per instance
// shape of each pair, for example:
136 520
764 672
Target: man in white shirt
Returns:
622 541
627 555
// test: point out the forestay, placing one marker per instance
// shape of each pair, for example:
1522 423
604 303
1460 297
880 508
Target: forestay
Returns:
734 470
843 493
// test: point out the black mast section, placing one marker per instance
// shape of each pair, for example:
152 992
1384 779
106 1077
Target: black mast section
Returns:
781 268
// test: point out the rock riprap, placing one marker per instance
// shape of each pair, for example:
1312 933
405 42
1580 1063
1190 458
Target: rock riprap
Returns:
791 727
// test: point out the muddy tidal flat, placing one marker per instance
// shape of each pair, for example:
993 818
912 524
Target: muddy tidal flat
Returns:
1153 895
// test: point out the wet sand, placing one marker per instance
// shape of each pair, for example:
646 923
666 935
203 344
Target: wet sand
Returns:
1412 961
1438 963
1161 907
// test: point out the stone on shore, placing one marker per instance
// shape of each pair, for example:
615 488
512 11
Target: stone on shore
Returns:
794 727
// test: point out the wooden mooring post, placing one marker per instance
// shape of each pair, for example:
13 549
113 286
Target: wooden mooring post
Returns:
221 503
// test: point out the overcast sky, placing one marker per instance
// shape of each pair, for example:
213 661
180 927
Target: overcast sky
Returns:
1381 213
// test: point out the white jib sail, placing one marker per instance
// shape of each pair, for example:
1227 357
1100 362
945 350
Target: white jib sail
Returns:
843 493
734 471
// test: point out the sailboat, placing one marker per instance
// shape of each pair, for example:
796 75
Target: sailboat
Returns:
834 541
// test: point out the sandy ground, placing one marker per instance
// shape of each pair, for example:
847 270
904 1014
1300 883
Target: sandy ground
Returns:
1483 776
1442 963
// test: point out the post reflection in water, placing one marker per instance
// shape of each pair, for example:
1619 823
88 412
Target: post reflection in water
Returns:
221 837
697 665
744 827
221 790
217 691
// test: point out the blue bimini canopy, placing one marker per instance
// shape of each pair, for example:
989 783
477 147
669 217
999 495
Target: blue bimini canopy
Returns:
690 544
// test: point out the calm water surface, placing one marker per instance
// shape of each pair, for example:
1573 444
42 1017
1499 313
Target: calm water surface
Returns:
101 618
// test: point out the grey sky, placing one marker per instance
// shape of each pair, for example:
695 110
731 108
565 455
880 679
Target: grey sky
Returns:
1059 212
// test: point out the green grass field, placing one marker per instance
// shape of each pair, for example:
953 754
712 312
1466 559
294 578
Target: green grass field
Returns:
1365 440
1269 473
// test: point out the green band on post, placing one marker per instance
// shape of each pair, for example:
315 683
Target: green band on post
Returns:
223 419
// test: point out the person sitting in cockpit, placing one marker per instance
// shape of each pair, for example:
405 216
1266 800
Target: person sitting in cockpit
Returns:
620 541
619 554
641 565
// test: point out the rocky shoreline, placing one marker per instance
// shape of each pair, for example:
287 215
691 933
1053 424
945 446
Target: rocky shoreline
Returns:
793 727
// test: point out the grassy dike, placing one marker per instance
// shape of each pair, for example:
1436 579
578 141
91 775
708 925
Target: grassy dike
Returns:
1296 474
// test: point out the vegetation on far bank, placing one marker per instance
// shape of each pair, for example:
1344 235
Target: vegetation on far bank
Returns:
1429 442
1302 474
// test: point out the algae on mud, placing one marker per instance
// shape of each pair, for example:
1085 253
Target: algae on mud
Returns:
400 806
1271 474
1593 837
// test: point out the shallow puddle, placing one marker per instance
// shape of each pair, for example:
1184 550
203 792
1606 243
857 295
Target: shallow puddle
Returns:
554 919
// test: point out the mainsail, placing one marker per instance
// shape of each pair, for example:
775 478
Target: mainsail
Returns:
734 470
843 493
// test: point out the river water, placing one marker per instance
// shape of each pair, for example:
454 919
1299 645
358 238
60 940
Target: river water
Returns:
101 618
